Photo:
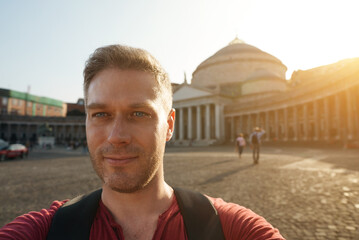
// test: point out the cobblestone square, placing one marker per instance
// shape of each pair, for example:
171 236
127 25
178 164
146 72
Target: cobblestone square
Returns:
307 193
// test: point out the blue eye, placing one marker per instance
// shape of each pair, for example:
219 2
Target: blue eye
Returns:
139 114
99 114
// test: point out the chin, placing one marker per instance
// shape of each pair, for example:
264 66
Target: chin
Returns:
118 185
126 190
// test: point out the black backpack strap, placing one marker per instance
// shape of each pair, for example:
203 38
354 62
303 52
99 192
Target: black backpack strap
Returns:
74 219
199 215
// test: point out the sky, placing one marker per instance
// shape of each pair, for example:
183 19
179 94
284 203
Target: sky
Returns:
44 44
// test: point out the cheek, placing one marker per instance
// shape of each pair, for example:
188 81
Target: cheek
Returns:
94 136
161 132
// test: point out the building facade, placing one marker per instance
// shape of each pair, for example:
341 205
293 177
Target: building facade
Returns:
25 129
23 116
241 87
25 104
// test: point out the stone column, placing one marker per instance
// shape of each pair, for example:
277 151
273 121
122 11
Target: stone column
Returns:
28 131
349 108
276 124
316 120
54 131
356 111
295 123
181 127
199 127
305 121
72 130
77 130
63 130
241 123
189 123
249 130
175 131
8 132
285 113
18 135
267 125
257 120
208 122
338 116
84 130
218 121
232 129
326 119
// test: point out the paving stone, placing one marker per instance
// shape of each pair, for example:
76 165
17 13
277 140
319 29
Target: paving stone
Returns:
316 199
350 228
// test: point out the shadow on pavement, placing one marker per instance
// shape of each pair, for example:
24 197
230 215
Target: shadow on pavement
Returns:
349 163
221 176
220 162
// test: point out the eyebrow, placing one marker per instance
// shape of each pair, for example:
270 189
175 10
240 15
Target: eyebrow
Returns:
103 105
95 105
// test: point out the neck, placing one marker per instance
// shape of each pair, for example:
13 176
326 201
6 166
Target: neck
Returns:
151 201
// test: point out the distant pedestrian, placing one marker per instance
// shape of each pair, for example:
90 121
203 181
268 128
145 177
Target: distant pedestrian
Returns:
255 141
240 144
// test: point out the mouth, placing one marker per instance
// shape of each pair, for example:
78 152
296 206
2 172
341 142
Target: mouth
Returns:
119 160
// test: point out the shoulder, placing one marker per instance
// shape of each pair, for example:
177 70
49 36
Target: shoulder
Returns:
241 223
32 225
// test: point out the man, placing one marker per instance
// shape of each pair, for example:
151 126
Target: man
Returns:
128 99
255 141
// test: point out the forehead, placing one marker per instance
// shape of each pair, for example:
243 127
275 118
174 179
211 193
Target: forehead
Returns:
120 85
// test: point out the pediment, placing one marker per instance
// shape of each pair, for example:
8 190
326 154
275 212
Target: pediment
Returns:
187 92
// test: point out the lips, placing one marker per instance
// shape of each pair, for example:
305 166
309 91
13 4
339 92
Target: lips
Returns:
119 160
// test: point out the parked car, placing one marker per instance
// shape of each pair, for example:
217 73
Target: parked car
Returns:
13 151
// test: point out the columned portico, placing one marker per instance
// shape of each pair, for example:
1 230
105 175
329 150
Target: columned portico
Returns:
212 111
199 123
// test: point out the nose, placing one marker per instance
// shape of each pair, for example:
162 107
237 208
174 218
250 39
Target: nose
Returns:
119 133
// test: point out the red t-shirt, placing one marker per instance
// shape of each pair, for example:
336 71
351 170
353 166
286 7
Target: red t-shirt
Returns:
237 223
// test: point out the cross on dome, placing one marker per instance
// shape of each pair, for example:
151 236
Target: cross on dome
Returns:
236 40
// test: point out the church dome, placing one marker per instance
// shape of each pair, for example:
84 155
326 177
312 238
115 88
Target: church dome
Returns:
240 63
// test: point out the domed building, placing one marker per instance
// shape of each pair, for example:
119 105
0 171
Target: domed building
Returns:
240 69
240 87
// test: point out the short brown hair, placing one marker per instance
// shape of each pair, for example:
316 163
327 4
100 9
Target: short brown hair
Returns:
125 57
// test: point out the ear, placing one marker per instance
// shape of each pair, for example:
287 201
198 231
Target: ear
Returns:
171 124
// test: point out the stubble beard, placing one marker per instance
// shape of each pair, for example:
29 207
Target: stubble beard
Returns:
119 179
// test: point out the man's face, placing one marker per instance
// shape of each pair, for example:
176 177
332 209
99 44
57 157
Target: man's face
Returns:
127 127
